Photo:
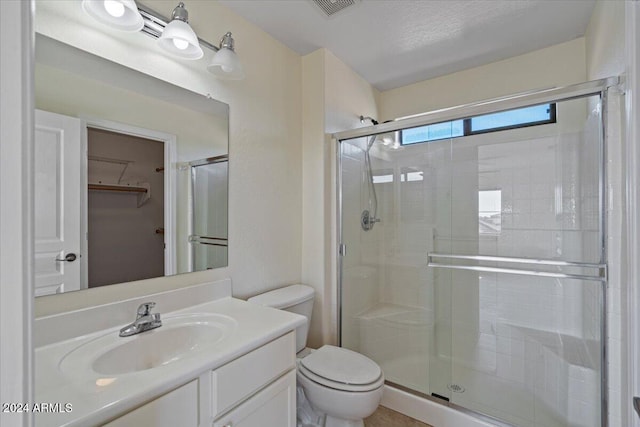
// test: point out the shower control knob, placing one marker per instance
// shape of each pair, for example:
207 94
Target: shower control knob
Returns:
367 220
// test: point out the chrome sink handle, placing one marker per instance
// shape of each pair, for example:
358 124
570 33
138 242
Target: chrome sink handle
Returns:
145 309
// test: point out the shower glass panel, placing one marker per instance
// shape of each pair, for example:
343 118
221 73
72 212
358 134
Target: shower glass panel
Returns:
209 216
389 309
482 284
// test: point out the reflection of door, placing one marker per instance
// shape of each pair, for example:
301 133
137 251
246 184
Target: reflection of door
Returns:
125 207
57 203
209 228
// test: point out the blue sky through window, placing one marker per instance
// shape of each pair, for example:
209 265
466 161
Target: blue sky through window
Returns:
538 114
521 116
433 132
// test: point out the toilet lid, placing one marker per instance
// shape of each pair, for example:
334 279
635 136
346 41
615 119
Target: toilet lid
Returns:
302 371
342 366
284 297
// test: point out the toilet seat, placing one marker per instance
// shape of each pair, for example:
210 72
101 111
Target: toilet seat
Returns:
341 369
339 386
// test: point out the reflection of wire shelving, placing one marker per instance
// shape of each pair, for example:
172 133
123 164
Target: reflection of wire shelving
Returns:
142 190
117 164
110 168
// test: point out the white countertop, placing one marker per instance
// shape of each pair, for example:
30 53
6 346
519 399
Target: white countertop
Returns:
96 399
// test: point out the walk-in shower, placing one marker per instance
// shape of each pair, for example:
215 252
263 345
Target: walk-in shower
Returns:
483 287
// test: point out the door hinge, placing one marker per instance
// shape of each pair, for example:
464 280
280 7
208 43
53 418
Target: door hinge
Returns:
342 249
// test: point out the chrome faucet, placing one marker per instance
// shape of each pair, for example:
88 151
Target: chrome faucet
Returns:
145 321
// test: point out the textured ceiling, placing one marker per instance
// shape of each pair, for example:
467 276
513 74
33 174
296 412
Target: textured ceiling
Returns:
393 43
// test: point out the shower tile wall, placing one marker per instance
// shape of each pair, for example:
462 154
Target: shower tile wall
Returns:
536 226
531 357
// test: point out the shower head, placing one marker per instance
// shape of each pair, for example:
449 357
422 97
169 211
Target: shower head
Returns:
364 119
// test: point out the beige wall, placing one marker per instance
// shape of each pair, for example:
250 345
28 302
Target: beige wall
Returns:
347 96
199 133
557 65
313 192
604 40
265 225
334 97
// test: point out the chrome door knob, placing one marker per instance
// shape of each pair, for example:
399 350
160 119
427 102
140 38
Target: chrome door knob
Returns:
68 258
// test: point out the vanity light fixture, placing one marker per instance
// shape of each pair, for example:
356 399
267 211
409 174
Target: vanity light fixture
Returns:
121 15
225 63
178 38
174 35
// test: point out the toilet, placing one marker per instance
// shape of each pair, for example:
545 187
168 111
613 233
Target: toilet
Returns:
343 385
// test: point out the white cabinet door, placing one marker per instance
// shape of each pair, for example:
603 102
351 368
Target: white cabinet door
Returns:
275 406
178 408
57 202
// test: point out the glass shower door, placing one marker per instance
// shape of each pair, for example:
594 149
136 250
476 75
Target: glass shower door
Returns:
395 309
525 262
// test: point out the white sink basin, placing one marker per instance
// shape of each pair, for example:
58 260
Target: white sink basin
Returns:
179 337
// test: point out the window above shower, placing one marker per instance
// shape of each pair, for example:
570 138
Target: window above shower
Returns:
489 212
504 120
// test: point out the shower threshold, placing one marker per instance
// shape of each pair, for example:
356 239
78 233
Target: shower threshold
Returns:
433 410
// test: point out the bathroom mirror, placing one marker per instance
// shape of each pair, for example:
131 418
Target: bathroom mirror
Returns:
131 174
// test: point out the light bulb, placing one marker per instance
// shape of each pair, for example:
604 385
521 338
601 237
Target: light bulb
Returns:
226 68
180 44
114 8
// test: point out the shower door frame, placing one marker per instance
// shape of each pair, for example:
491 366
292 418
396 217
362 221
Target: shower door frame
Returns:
565 93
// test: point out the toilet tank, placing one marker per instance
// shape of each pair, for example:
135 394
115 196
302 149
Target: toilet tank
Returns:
294 298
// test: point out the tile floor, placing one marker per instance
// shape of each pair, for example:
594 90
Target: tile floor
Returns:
385 417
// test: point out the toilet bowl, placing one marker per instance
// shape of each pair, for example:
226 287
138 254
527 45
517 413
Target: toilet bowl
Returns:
343 385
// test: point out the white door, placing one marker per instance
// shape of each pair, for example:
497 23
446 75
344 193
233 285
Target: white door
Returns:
57 203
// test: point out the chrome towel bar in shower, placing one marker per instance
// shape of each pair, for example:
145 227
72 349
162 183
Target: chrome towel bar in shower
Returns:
601 276
207 240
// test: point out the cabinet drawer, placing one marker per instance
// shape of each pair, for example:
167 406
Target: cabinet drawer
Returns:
275 406
244 376
176 408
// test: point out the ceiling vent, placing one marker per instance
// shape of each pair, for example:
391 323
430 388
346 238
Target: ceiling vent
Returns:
331 7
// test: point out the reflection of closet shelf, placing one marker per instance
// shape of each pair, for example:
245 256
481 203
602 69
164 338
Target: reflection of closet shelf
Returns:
142 190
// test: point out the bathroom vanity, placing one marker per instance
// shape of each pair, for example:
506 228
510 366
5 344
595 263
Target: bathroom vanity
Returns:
221 363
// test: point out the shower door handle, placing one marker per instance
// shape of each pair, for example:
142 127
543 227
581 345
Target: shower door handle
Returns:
600 276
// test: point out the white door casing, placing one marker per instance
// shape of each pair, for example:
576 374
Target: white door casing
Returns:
57 203
16 209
